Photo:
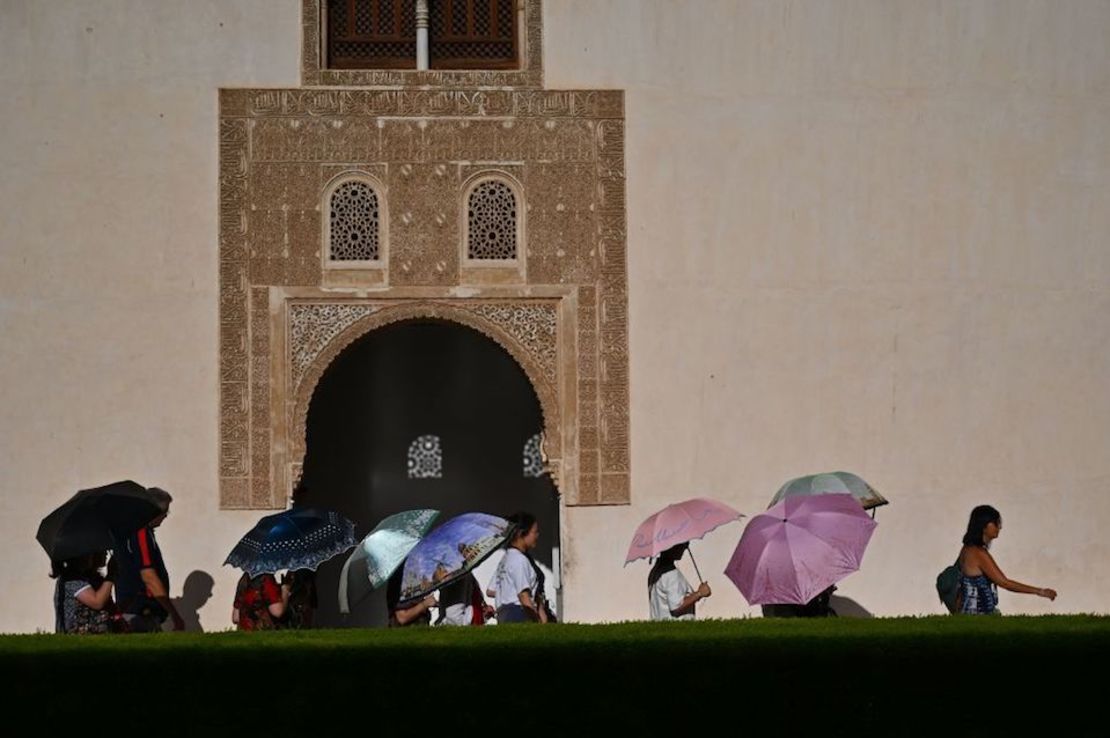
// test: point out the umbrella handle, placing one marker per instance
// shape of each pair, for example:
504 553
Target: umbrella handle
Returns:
695 563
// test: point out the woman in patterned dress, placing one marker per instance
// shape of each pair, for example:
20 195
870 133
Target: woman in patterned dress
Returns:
980 576
82 597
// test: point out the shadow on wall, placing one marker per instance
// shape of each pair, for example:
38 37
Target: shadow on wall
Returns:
195 593
846 607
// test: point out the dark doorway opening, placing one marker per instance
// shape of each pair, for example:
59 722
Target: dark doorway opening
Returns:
384 400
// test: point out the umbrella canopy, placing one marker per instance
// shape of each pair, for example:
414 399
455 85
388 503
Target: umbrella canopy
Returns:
450 551
380 553
798 548
301 538
837 483
94 519
681 522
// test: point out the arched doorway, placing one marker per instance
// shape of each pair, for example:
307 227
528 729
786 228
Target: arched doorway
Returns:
429 390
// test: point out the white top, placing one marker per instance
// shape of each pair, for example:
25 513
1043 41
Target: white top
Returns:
514 575
457 614
667 594
456 600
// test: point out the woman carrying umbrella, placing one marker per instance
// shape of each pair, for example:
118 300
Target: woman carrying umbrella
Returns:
76 536
300 538
82 597
799 548
665 536
669 594
380 555
443 561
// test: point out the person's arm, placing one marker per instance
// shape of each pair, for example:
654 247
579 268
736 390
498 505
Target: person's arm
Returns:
277 609
235 615
993 573
531 607
158 591
686 607
95 597
407 615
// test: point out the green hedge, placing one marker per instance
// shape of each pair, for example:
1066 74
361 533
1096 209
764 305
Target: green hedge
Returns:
962 676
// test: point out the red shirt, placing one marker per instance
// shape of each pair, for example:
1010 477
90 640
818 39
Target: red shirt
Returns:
253 599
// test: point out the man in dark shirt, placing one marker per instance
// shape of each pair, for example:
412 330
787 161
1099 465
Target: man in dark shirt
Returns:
142 583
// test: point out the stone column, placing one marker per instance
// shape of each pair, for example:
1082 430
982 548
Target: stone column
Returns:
421 34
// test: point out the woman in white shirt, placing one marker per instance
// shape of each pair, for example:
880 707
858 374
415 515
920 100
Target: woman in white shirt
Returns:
515 594
670 596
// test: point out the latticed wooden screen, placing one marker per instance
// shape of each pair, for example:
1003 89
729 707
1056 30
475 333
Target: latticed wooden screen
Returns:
371 34
381 34
472 34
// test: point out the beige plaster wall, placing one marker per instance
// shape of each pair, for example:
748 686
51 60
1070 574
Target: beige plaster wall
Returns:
869 236
862 235
108 281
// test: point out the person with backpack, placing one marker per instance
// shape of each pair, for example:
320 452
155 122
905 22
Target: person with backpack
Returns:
980 577
259 602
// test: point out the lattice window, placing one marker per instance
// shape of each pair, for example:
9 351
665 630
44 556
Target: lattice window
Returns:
425 458
533 458
381 34
371 34
354 223
491 221
472 34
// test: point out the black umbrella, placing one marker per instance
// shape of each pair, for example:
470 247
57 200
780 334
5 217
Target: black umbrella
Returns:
93 520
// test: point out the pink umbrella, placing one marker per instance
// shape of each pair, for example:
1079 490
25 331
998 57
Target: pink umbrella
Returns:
681 522
798 548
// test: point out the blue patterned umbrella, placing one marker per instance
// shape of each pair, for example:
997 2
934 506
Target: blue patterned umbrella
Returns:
301 538
380 553
450 551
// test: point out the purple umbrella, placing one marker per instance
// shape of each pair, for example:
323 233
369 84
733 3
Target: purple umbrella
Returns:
798 548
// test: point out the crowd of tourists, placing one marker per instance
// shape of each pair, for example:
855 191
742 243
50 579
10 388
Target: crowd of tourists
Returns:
128 592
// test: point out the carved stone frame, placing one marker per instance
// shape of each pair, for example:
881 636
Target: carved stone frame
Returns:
422 135
315 74
310 327
570 144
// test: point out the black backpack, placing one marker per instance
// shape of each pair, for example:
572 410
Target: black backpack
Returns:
948 586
